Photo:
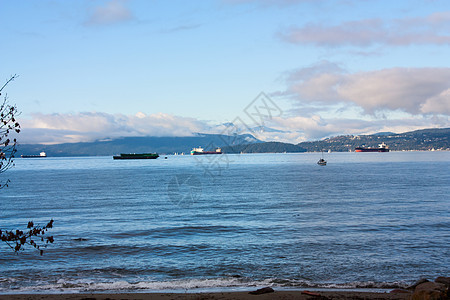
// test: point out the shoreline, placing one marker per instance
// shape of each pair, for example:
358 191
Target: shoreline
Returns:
421 289
281 294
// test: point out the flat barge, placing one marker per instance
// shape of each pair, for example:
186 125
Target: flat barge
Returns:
136 156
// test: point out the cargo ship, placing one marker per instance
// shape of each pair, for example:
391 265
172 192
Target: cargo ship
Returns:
136 156
381 148
200 151
41 155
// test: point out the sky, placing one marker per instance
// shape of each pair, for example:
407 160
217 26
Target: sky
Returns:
311 69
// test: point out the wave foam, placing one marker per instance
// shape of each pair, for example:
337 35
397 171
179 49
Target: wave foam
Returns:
71 286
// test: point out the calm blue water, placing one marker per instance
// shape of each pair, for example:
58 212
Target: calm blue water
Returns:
230 221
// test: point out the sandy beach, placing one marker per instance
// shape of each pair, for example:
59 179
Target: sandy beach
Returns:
286 295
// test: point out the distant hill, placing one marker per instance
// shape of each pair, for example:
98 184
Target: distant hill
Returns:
161 145
384 133
267 147
425 139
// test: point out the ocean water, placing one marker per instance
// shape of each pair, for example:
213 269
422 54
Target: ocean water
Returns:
366 220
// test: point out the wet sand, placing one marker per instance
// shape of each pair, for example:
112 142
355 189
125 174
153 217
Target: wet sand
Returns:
285 295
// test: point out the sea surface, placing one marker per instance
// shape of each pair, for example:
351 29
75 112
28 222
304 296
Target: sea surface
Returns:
193 223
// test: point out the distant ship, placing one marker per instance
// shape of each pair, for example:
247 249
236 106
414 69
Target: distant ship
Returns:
322 161
200 151
381 148
41 155
136 156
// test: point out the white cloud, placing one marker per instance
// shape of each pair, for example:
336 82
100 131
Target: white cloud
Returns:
405 89
111 12
432 29
140 115
412 90
439 104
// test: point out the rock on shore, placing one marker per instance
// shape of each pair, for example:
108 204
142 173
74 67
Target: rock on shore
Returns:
428 290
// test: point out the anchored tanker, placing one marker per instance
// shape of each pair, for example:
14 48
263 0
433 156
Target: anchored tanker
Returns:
41 155
381 148
200 151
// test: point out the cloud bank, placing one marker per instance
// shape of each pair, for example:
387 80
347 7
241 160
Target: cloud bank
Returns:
84 127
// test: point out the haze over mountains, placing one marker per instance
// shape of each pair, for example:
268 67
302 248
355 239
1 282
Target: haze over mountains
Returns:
426 139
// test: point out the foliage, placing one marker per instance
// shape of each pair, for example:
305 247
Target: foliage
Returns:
16 239
8 124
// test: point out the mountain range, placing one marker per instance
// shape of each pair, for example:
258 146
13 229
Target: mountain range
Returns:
426 139
162 145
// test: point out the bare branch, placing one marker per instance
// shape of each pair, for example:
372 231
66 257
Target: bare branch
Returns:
8 125
8 81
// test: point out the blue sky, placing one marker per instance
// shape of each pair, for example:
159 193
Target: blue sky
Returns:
98 69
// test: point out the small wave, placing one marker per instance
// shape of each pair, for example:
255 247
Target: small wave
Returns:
233 282
362 285
80 240
63 285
